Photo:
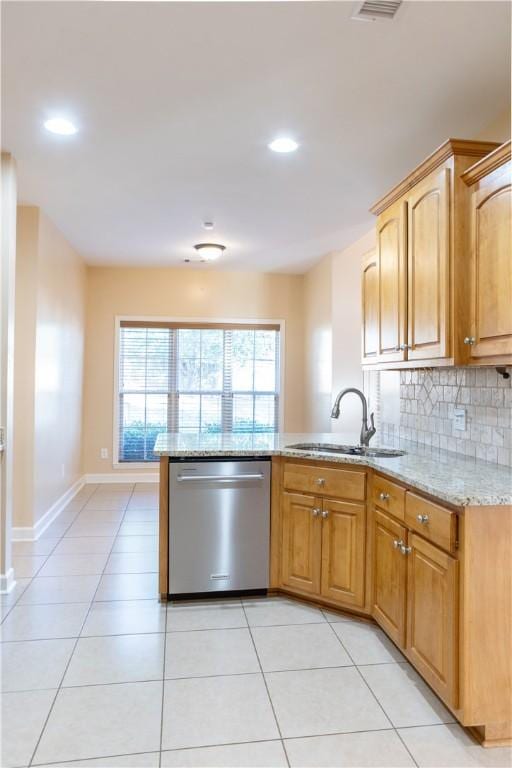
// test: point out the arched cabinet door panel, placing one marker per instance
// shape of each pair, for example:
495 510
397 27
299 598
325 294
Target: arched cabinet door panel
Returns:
428 268
491 268
392 285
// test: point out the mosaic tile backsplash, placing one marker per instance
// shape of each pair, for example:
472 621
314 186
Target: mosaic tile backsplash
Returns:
427 401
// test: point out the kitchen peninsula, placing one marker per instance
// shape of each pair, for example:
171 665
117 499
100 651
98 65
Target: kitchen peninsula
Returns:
421 543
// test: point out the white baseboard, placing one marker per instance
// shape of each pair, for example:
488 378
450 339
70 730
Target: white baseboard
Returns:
123 477
32 533
7 582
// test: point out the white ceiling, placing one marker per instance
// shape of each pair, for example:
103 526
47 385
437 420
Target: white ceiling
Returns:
177 101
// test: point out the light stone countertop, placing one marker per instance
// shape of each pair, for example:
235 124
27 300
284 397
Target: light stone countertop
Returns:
456 479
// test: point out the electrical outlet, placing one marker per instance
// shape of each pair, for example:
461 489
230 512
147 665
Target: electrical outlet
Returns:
104 453
459 419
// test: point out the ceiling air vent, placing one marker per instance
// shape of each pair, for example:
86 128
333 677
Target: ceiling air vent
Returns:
376 10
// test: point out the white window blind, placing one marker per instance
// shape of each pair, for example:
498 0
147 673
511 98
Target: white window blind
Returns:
191 378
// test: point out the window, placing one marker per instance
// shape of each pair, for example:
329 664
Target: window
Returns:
194 378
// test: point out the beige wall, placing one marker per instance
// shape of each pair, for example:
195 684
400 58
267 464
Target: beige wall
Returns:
498 130
180 293
346 328
50 322
332 337
318 346
7 286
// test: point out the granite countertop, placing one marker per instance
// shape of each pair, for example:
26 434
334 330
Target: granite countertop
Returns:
456 479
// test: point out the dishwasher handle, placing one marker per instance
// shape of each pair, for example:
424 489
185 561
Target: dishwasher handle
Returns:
218 478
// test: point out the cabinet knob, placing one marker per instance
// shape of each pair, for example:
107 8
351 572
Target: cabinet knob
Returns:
316 511
405 550
383 496
405 346
469 340
397 543
422 519
320 481
325 513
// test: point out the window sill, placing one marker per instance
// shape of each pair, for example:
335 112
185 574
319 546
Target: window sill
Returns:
135 465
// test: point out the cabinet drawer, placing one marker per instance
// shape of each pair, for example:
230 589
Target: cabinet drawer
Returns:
435 523
337 483
388 496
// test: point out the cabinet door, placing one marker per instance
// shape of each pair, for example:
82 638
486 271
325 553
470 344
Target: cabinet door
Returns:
301 542
390 575
343 552
432 616
391 261
428 268
370 308
491 308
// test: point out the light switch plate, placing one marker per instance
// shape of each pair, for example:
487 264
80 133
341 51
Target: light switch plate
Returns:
459 419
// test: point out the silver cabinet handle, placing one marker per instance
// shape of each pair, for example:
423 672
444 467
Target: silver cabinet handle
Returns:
405 550
316 511
397 543
470 340
320 481
383 496
217 478
325 513
422 519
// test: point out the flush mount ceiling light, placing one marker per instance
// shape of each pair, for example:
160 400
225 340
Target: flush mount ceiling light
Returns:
283 144
61 126
209 251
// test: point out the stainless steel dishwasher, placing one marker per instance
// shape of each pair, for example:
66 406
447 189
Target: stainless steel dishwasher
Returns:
219 526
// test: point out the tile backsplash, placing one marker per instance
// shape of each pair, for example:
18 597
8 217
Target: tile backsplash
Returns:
427 399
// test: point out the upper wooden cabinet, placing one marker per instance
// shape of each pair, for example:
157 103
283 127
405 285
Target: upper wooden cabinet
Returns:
489 331
419 313
391 244
370 302
428 268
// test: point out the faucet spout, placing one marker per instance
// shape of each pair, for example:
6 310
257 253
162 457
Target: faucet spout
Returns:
366 432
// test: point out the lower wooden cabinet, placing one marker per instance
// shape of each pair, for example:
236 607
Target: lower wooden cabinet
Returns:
415 600
389 577
343 552
432 616
323 548
301 542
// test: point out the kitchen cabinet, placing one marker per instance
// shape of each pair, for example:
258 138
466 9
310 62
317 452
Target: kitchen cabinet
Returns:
428 268
301 542
432 616
370 303
323 539
489 332
343 552
323 548
389 576
391 289
423 240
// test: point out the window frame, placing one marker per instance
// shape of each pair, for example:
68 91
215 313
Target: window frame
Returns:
118 319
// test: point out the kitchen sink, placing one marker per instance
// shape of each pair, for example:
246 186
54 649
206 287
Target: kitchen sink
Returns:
349 450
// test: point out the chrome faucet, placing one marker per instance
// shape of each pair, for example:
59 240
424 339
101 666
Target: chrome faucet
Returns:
366 432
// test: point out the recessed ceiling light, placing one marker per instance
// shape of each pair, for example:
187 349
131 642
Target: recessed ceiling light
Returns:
209 251
283 144
60 126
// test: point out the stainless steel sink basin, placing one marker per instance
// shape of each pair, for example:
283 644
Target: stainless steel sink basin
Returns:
349 450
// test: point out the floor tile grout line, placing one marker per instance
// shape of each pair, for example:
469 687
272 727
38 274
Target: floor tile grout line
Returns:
163 692
266 685
372 692
65 670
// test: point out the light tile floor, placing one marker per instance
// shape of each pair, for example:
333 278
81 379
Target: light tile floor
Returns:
96 672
